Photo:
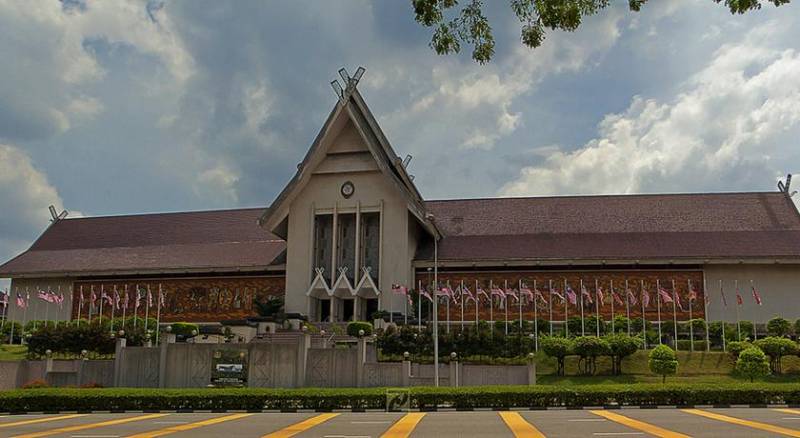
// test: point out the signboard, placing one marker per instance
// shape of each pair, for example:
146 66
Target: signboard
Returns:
229 367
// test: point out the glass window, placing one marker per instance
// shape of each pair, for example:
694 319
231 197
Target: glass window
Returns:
370 243
346 245
323 243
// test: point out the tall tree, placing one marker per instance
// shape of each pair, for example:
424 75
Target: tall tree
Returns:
454 24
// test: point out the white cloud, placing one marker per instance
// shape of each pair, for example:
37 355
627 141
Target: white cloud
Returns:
25 194
728 128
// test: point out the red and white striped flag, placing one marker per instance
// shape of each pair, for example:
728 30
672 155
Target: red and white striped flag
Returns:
512 293
601 298
572 296
722 294
664 295
632 297
756 295
586 295
540 296
425 294
739 300
479 291
617 298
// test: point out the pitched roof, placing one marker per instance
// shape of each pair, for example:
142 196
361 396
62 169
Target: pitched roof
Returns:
217 241
664 226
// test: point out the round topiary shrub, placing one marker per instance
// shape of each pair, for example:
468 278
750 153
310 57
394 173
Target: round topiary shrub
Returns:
621 346
353 328
736 347
663 361
588 348
752 363
558 348
776 348
779 327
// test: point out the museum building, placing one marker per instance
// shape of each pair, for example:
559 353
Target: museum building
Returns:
351 226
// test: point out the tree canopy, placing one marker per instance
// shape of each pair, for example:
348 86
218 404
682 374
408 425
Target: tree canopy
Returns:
467 24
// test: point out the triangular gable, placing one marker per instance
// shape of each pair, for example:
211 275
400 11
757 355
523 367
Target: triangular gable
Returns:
354 109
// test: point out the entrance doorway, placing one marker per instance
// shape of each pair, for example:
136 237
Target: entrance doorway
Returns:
348 310
371 306
324 310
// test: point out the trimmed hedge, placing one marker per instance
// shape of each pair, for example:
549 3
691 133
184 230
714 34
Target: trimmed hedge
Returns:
65 399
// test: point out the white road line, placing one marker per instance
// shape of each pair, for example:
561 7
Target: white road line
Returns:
371 422
346 436
170 422
588 419
617 433
94 436
791 418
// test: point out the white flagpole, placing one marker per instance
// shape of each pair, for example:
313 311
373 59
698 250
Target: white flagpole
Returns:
158 312
705 313
47 309
611 291
448 298
721 292
658 303
80 304
535 318
674 313
101 303
5 309
405 312
738 324
597 307
628 306
462 306
550 304
691 325
11 336
125 308
25 313
91 304
147 308
419 305
583 325
519 294
491 306
566 310
755 323
136 307
477 299
644 314
113 306
505 303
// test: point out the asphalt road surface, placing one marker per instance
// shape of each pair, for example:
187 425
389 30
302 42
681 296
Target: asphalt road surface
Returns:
668 423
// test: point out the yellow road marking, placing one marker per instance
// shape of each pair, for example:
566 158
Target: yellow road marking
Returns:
519 426
189 426
41 420
741 422
639 425
404 426
788 411
90 425
296 428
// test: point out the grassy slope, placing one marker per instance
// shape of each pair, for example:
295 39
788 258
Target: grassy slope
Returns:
13 352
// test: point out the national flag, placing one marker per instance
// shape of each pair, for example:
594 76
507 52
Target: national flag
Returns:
525 291
617 298
512 293
467 294
162 297
21 303
149 297
558 295
739 299
645 298
44 296
585 295
104 297
80 299
138 301
497 292
540 296
600 296
425 294
756 295
92 297
127 300
117 299
479 291
4 298
722 294
572 296
664 295
692 294
631 297
677 297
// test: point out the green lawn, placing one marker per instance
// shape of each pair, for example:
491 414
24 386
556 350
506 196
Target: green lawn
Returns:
13 352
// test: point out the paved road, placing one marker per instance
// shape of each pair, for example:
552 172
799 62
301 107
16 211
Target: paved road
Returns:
668 423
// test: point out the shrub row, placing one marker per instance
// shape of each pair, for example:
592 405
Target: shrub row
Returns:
61 399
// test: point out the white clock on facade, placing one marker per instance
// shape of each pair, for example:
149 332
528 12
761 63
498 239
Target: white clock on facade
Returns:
348 189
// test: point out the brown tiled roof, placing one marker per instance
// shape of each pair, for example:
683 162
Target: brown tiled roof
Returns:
220 241
719 225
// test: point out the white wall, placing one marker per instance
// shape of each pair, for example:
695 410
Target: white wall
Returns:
778 285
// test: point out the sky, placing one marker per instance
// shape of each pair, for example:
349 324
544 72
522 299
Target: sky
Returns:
130 107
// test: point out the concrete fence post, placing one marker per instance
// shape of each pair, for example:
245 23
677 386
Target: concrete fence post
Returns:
454 373
303 345
361 357
167 338
119 349
406 373
531 370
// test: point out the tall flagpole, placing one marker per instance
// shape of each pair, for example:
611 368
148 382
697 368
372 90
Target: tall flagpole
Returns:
91 302
597 307
147 308
448 298
691 324
722 297
550 305
628 306
613 327
491 306
405 302
80 304
519 292
644 314
25 313
136 307
419 305
101 303
462 306
566 310
755 324
505 302
113 306
158 311
583 325
535 317
738 323
47 309
705 313
477 300
125 307
658 304
674 313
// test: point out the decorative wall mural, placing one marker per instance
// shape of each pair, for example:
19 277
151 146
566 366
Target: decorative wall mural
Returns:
194 300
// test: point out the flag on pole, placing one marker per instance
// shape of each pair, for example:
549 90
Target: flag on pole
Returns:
559 296
525 291
512 293
739 300
127 300
92 297
677 298
692 294
425 294
467 294
479 291
722 293
664 295
756 295
617 298
149 297
601 299
21 303
44 296
572 296
645 297
540 296
631 297
585 295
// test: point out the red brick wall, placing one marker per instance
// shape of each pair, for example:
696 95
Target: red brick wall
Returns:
604 279
193 300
